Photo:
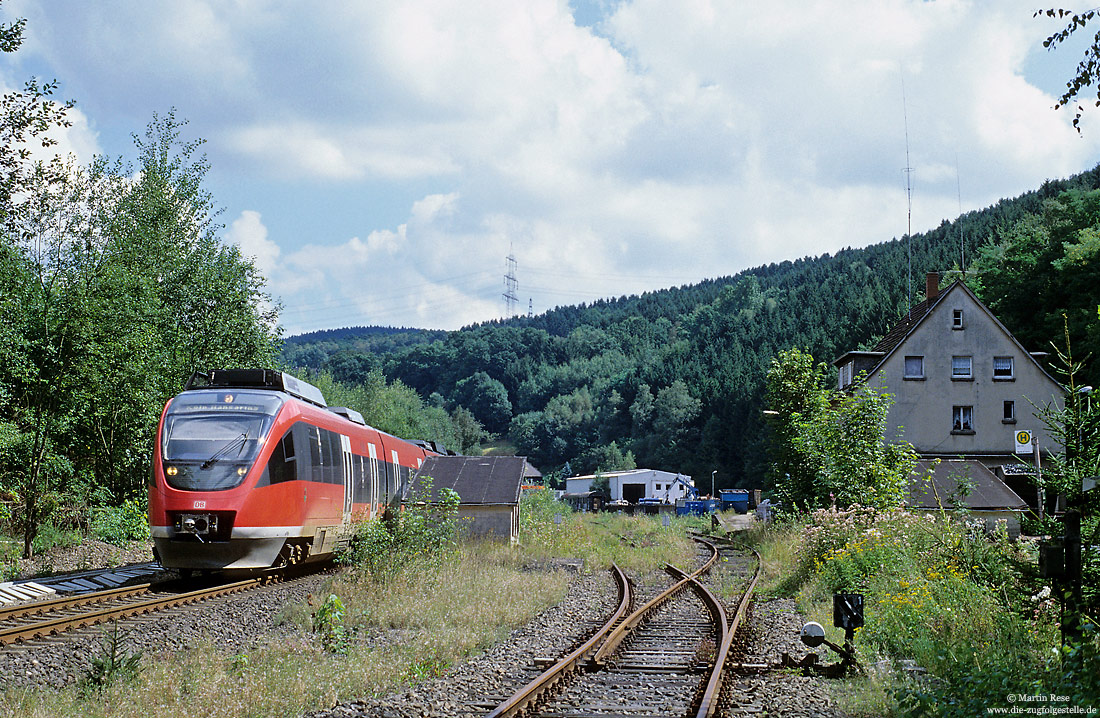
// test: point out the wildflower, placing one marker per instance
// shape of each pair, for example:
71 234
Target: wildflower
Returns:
1042 595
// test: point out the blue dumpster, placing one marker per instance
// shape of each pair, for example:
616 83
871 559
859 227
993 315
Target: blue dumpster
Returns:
736 499
701 508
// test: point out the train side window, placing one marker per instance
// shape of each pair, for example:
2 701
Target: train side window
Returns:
395 490
334 465
283 466
358 495
315 454
327 459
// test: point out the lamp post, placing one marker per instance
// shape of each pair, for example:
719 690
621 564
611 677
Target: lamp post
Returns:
712 482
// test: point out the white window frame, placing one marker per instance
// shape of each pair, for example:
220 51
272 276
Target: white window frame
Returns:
962 419
1011 375
1009 416
957 365
957 319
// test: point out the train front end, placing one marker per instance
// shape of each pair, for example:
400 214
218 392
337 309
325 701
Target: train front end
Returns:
208 457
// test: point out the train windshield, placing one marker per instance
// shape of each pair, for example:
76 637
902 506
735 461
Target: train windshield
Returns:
211 438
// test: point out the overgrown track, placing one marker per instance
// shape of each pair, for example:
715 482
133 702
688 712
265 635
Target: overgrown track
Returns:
47 618
647 664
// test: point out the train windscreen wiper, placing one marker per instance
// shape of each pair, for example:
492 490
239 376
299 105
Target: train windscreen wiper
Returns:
225 449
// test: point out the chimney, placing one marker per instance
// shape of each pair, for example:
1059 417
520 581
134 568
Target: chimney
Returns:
932 286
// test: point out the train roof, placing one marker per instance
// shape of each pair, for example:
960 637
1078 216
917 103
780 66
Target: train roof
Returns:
260 379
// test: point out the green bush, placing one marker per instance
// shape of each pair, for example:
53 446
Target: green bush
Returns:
328 623
114 662
120 524
422 531
964 605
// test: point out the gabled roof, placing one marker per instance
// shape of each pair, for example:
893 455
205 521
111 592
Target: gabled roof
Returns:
629 472
960 483
477 479
914 318
906 324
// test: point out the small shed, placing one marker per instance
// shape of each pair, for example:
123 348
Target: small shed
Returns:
969 484
488 488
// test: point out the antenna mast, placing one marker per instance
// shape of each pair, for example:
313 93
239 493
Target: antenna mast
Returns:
511 285
962 246
909 194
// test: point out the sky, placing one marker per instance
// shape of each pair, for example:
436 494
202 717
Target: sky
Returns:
381 160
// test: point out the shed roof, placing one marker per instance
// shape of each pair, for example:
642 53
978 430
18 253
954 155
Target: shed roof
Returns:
960 482
476 479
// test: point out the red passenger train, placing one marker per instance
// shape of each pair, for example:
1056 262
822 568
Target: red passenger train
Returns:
251 469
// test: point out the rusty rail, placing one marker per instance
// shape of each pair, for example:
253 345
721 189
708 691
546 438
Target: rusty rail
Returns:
616 637
536 688
31 631
727 630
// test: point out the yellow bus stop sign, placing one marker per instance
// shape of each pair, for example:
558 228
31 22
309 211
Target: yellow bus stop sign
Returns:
1023 441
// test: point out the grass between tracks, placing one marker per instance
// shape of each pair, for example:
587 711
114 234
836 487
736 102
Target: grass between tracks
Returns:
940 594
427 603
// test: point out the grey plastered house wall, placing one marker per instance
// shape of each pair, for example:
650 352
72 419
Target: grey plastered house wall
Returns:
950 327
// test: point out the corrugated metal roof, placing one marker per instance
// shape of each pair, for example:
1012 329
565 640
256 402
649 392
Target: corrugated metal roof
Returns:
477 479
958 483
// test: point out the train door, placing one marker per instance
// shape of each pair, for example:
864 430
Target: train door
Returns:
373 451
349 476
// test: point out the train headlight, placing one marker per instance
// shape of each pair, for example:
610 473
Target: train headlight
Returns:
241 470
171 471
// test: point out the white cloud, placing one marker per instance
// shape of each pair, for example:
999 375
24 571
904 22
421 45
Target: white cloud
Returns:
416 141
249 233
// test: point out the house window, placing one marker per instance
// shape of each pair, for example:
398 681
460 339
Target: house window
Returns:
1002 369
845 375
1010 413
914 368
957 319
961 368
962 420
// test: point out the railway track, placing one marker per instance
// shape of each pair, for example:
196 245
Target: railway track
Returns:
38 620
664 659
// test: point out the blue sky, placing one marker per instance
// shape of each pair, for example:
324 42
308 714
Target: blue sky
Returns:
380 160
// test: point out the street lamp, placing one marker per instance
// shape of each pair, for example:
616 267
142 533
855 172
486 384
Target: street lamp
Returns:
712 482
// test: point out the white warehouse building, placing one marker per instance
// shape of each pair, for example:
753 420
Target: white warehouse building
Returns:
637 484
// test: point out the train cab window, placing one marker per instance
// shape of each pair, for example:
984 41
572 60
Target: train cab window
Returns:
211 438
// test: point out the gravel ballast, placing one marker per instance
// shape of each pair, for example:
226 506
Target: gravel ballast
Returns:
234 623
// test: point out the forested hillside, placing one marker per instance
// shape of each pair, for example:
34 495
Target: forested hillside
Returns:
675 377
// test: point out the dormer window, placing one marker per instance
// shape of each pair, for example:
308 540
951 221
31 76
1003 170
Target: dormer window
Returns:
956 319
845 375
